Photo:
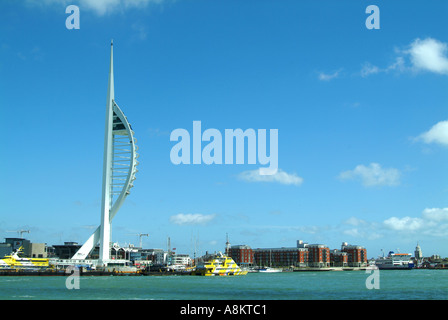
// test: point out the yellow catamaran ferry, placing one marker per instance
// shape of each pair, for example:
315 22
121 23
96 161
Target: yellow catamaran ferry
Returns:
14 261
218 265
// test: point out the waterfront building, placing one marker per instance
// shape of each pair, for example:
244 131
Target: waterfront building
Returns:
241 254
66 250
434 257
16 243
275 257
303 255
29 249
179 261
318 256
338 258
38 250
357 255
156 256
5 249
281 257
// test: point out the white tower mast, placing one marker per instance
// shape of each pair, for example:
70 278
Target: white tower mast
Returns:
119 170
107 167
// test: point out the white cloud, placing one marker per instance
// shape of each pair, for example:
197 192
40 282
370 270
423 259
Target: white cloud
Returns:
369 69
438 134
398 65
404 224
421 55
373 175
192 218
429 55
433 222
435 214
279 177
100 7
353 221
362 234
328 76
362 229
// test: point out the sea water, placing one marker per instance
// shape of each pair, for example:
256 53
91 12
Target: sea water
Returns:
414 284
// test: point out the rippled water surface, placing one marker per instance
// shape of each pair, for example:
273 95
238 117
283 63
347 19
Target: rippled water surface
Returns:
337 285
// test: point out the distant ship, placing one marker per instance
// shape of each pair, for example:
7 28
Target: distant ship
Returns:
395 261
218 265
15 261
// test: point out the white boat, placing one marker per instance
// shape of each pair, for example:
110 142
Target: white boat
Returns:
395 261
270 270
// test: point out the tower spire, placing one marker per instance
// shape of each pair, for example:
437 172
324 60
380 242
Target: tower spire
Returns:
119 170
107 166
111 93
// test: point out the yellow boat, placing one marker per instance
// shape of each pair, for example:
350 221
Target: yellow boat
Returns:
218 265
14 261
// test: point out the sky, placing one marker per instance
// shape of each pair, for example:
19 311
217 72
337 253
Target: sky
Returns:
361 115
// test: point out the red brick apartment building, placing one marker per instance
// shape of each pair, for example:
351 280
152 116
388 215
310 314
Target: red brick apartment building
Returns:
356 255
280 257
318 256
338 258
304 255
241 254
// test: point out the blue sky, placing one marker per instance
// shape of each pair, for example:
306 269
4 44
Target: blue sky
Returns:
361 116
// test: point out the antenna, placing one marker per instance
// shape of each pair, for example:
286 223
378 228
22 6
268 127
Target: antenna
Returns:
169 245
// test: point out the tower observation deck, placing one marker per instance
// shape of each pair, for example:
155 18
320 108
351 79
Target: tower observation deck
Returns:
119 170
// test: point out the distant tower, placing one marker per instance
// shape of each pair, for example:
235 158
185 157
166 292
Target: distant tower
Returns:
119 169
227 244
418 252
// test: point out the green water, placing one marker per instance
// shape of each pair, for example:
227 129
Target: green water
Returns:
345 285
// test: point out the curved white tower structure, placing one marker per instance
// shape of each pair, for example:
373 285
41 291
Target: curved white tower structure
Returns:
119 169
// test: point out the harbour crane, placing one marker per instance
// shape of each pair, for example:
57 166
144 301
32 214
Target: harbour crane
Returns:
140 236
20 232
